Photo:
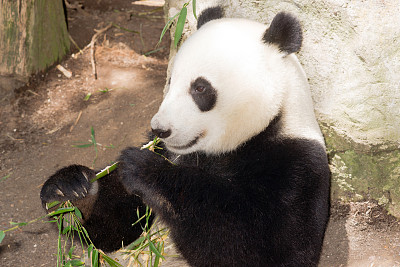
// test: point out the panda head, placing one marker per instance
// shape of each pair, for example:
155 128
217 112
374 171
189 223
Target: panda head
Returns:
228 82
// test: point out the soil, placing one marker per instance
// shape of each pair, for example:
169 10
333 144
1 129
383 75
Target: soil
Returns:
42 121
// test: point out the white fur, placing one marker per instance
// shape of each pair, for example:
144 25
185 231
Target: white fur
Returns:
254 82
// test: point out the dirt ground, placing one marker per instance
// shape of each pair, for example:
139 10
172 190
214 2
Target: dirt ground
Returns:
41 121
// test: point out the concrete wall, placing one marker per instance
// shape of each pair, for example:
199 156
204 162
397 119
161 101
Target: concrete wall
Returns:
351 53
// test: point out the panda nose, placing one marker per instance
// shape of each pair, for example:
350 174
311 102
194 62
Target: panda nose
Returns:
161 133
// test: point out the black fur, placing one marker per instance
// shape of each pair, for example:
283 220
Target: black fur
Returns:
203 94
209 14
285 32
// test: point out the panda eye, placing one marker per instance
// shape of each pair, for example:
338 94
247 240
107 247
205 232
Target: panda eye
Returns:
200 89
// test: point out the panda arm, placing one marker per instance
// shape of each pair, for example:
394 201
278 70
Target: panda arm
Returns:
108 210
170 190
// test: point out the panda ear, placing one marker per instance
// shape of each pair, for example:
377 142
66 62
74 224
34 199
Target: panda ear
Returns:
209 14
285 32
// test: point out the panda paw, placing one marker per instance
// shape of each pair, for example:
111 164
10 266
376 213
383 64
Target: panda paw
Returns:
69 183
136 166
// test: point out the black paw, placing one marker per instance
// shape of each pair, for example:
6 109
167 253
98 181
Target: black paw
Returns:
69 183
137 166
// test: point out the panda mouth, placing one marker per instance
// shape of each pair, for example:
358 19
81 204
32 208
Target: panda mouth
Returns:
188 145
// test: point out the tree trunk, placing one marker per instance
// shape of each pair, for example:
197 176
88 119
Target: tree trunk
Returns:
33 36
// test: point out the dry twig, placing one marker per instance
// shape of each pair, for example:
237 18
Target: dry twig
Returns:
92 43
76 121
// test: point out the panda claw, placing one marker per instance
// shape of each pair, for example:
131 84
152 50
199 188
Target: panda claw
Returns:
86 176
60 193
75 194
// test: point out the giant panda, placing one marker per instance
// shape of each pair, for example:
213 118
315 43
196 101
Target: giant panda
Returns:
249 182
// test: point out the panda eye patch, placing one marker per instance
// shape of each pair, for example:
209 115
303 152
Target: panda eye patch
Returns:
203 94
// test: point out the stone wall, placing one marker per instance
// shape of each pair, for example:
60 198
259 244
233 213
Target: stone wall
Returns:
351 54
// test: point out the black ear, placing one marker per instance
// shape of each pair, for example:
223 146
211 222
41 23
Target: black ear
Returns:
209 14
285 32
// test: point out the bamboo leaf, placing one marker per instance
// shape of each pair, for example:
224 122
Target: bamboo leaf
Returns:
78 213
95 258
92 135
90 249
87 97
180 25
137 242
157 259
76 263
194 9
71 250
61 211
83 146
154 249
52 204
19 224
66 230
2 235
5 177
86 233
166 27
110 261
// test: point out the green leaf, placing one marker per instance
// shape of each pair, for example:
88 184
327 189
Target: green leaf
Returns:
110 261
76 263
166 27
71 250
83 146
194 9
95 258
137 242
90 249
5 177
61 211
19 224
2 235
66 230
154 249
52 204
104 90
52 221
180 25
86 233
92 135
78 213
157 259
87 97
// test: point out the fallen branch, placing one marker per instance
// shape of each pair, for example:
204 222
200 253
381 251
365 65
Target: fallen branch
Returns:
92 43
64 71
76 45
76 121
